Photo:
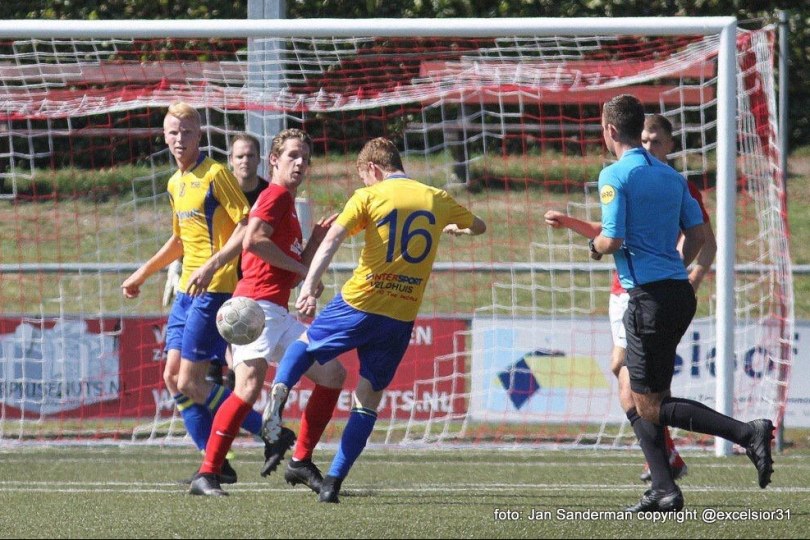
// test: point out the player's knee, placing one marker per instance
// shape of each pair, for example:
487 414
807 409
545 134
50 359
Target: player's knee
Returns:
648 411
170 379
191 388
336 375
617 360
331 374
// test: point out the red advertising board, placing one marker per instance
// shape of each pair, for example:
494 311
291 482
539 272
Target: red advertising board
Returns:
113 368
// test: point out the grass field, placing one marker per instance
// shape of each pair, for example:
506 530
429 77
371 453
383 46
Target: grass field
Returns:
132 492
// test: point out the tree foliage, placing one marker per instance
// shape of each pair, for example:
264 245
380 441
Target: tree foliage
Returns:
744 10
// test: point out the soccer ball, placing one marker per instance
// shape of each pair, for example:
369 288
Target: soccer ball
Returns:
240 320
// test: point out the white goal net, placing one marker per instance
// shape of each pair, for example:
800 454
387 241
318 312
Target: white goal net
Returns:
512 345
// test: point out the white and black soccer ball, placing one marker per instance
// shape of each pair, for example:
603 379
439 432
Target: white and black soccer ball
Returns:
240 320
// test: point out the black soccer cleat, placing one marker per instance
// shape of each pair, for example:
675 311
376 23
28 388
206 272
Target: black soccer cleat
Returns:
330 489
214 373
304 472
206 485
759 450
227 475
274 451
654 500
229 380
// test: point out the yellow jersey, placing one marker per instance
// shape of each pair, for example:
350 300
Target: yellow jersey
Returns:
207 203
403 221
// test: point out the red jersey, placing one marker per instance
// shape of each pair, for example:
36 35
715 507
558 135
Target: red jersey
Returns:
260 280
616 287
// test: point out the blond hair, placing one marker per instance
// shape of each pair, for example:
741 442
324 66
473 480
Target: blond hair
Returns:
182 110
381 152
284 136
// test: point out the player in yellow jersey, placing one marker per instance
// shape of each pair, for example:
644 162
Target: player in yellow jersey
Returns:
375 311
209 215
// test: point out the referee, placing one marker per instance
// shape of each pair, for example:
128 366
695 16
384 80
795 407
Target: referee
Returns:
645 203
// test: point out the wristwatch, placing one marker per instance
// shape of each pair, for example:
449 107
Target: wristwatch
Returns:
595 255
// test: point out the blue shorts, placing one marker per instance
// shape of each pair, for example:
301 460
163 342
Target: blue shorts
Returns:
192 327
380 341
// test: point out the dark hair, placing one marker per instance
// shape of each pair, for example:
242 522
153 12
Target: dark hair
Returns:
383 153
657 122
626 114
247 137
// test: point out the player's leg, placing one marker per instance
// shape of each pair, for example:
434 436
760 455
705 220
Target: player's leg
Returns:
650 364
328 379
196 418
385 341
201 343
754 436
228 419
325 334
355 436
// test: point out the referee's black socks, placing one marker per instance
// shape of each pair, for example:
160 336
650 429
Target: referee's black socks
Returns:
695 416
651 438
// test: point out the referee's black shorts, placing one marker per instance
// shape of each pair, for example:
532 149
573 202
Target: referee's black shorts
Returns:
658 314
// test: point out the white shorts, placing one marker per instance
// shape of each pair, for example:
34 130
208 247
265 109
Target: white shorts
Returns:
616 309
280 331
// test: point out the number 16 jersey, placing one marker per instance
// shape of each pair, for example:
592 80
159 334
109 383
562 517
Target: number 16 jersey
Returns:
403 221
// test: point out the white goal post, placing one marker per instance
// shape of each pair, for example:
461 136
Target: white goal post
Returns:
724 106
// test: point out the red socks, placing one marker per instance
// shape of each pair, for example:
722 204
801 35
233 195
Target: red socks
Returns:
316 416
227 422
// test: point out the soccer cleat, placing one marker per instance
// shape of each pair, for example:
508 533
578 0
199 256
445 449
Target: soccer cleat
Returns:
678 472
207 485
227 475
304 472
214 374
646 474
274 451
759 450
271 419
330 489
654 500
229 380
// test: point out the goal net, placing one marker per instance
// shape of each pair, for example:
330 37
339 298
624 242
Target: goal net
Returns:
512 345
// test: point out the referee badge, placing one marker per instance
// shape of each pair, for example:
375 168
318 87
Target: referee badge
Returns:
607 194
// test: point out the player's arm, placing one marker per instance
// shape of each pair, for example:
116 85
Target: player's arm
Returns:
604 245
319 231
170 251
588 229
478 227
693 239
705 257
201 278
311 289
258 241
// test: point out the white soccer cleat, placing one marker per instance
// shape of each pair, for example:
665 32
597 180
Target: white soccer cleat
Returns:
271 419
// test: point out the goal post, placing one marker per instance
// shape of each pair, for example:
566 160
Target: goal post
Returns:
482 104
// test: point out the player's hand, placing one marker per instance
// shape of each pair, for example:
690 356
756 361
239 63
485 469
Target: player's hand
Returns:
200 280
553 219
320 229
131 287
453 229
306 304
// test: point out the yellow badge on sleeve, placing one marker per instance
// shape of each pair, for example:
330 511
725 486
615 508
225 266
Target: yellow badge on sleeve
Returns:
607 194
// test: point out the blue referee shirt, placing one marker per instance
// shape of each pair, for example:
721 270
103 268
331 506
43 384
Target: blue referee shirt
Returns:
646 203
